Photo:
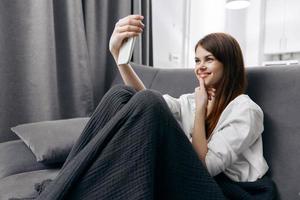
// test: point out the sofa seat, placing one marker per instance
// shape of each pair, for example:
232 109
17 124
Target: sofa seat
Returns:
23 185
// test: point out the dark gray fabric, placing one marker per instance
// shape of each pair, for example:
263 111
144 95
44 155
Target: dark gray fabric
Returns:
23 184
54 57
15 158
51 141
149 157
132 149
276 90
262 189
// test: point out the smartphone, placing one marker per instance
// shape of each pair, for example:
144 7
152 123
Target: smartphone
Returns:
126 51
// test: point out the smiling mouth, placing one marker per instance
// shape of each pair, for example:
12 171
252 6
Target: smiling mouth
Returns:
203 75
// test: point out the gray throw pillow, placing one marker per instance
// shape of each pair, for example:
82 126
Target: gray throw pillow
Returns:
51 141
16 157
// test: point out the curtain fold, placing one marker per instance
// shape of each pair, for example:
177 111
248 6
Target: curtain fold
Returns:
143 51
72 60
28 64
54 58
100 18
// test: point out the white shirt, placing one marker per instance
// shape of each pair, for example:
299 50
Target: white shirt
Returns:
235 146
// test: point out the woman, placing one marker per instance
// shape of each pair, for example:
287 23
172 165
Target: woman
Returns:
219 67
141 145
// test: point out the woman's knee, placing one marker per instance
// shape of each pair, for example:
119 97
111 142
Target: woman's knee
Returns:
122 88
149 98
118 92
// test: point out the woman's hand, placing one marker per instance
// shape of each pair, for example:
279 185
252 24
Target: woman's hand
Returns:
126 27
202 96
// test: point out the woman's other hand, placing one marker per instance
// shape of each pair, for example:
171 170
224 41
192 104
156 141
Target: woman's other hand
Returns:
126 27
202 96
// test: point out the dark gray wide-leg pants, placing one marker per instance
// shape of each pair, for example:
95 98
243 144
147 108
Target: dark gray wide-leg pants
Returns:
132 148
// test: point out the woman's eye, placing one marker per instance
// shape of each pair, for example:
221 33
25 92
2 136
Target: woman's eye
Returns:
197 61
210 59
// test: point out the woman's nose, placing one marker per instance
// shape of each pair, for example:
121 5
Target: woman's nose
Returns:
201 67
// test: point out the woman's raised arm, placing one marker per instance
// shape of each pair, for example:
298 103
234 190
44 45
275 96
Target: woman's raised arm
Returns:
130 26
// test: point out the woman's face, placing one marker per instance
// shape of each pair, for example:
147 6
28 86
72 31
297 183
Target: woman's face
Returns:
208 67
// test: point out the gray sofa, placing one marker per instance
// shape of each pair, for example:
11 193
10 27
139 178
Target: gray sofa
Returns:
275 89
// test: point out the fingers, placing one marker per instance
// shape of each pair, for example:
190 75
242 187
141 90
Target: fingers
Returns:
210 95
202 84
136 17
132 20
129 22
128 34
129 28
211 92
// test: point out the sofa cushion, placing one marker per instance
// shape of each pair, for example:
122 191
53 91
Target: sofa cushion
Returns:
276 90
146 73
183 80
23 185
51 141
16 157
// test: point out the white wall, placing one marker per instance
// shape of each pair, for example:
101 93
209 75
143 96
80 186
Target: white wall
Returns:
282 30
235 25
205 17
179 24
247 26
255 33
168 31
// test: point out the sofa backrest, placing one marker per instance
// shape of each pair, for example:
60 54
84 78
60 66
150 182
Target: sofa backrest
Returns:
277 91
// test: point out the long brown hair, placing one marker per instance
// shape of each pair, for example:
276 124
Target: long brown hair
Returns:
233 83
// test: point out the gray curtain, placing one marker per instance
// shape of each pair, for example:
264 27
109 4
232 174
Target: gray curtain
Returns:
143 52
54 59
100 19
